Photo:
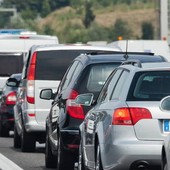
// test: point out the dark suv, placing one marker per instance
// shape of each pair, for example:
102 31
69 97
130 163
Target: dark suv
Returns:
7 102
86 74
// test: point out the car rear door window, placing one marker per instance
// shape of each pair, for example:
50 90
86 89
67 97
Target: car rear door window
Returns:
72 72
118 86
109 86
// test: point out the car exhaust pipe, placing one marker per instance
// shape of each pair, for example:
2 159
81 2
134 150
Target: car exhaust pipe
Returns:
140 165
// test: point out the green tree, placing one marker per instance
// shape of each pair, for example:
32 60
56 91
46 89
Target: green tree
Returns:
45 8
48 30
89 16
147 31
5 19
120 29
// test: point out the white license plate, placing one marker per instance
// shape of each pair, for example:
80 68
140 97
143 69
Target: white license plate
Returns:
166 125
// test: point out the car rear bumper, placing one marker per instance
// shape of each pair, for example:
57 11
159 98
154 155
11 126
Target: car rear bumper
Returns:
34 127
130 154
70 139
7 120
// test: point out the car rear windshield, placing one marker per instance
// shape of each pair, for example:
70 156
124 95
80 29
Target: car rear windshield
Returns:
95 75
10 63
150 86
51 65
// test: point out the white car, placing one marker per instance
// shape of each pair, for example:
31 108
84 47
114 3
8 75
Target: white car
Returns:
43 68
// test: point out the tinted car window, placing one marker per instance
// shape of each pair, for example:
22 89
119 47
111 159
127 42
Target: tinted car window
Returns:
72 71
117 90
109 85
150 86
51 65
95 76
7 60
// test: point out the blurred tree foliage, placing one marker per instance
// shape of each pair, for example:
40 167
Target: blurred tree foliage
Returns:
44 7
36 7
147 31
120 29
89 16
30 11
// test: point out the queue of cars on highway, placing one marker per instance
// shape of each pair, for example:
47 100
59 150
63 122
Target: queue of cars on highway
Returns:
94 105
86 74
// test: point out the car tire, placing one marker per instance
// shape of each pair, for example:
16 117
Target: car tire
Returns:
3 131
65 159
50 159
17 138
98 164
27 141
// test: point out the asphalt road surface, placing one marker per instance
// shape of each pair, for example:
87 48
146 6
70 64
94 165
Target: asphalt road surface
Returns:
14 159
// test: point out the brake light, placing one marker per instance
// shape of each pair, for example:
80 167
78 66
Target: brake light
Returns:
11 98
24 37
31 78
73 146
130 116
73 109
31 71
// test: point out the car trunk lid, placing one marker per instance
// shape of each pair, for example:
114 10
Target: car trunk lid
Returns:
155 128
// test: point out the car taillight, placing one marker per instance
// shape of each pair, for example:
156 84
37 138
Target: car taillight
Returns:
74 110
130 116
31 78
24 37
11 98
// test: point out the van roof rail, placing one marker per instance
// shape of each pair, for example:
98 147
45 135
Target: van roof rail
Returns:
118 52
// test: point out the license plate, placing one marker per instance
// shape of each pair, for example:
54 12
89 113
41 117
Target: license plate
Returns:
166 125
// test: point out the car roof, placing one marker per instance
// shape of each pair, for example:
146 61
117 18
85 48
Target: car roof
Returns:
22 43
99 57
26 36
51 47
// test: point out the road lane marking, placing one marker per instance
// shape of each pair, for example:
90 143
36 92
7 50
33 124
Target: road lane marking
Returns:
7 164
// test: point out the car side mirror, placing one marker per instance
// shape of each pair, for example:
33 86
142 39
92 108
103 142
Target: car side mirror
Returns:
12 82
165 103
85 99
47 94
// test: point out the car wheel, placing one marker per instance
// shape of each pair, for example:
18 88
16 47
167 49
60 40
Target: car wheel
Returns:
65 159
80 159
17 138
50 159
3 131
27 141
98 164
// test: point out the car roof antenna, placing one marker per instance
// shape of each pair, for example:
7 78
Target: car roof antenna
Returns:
126 53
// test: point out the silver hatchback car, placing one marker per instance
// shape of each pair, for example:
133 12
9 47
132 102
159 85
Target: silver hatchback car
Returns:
126 127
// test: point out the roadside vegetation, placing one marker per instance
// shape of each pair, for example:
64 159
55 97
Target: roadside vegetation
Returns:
84 20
